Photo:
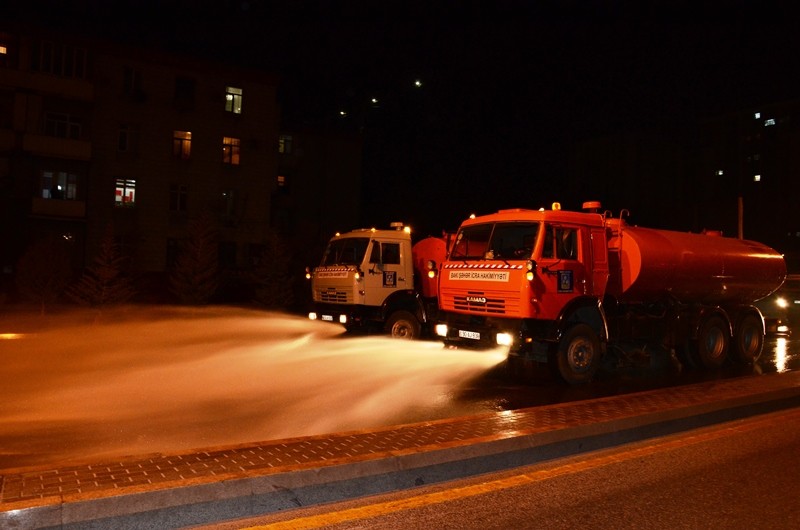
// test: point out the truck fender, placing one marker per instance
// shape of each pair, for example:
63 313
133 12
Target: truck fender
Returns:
586 310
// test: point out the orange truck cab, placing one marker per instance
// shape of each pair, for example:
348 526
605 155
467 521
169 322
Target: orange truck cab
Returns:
566 288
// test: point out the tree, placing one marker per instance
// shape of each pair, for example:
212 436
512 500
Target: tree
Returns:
43 272
273 282
194 277
105 281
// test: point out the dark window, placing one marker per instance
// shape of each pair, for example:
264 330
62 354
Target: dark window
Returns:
178 197
185 88
62 125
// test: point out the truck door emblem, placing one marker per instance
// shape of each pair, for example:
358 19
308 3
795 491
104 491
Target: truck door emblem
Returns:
564 281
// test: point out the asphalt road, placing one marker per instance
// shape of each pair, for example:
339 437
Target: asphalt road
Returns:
742 474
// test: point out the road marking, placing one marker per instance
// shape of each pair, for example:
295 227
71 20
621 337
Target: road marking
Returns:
620 455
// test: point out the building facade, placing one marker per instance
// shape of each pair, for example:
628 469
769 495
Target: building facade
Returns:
94 134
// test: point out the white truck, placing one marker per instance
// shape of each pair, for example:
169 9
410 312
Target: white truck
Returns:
378 279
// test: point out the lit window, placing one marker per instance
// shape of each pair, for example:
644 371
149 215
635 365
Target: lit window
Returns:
770 121
125 194
58 185
3 50
757 115
756 178
178 197
281 181
233 100
182 144
230 150
720 172
285 144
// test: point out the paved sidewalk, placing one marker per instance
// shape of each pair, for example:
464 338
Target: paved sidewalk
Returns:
162 491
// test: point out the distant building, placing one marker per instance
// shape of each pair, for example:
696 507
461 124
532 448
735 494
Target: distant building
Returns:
93 132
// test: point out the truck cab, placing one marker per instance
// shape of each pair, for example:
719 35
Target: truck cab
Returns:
367 279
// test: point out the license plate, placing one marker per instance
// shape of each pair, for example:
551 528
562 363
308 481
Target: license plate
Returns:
328 318
469 334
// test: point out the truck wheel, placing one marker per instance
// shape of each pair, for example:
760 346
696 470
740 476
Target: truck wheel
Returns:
403 325
711 346
748 339
578 357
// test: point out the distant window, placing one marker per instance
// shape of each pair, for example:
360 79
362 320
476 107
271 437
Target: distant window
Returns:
182 144
61 60
178 197
131 80
230 150
720 172
3 55
757 115
756 178
125 195
233 100
62 125
229 202
58 185
285 144
769 122
281 181
128 138
185 88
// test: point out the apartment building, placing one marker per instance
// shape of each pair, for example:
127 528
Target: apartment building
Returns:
93 134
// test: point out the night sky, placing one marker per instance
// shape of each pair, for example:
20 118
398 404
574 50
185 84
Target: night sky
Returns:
508 88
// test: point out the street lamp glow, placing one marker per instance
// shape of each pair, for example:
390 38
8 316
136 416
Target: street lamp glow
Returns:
418 83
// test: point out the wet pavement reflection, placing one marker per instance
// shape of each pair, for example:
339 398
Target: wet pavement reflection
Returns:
83 385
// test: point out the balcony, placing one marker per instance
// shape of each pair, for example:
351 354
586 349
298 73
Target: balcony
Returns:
58 208
40 145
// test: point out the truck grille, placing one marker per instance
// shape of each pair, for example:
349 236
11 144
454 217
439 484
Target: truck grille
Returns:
335 296
480 302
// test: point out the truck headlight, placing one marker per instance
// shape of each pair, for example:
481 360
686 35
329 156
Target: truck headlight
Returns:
441 330
312 316
504 339
342 319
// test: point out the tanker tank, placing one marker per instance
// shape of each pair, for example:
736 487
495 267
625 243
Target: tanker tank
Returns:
429 249
646 264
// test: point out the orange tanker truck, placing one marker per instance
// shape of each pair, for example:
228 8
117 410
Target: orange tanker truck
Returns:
567 288
371 278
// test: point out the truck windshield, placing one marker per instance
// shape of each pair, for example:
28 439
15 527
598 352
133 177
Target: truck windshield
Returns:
495 241
349 251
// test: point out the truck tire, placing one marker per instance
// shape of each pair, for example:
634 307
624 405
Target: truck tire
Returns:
711 346
748 339
403 325
578 356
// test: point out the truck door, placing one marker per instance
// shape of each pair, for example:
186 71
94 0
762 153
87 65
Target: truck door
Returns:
384 274
562 268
